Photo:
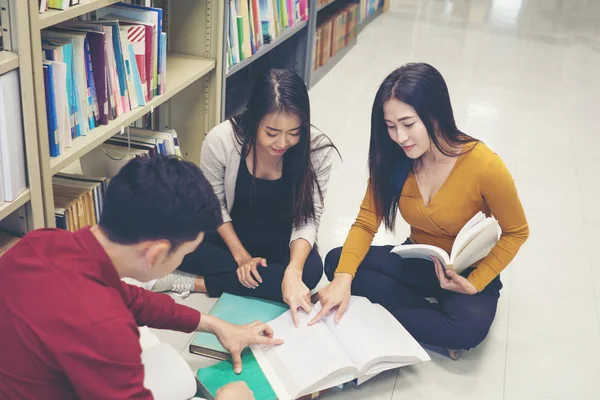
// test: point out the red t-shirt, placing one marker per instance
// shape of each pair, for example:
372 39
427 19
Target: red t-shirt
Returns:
68 324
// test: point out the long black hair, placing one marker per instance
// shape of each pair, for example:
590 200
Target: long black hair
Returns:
421 86
283 91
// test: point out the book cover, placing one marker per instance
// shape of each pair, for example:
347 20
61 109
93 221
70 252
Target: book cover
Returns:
220 374
236 310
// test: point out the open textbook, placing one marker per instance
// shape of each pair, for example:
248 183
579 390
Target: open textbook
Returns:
367 341
474 242
166 374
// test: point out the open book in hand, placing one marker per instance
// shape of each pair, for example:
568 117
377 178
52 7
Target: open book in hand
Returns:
367 341
474 242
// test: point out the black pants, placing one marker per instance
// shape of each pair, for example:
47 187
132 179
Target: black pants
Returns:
213 261
458 321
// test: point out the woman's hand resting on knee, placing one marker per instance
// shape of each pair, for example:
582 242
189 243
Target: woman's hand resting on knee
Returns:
452 281
247 271
334 297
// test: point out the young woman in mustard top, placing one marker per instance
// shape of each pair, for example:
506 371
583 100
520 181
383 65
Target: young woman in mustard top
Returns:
439 178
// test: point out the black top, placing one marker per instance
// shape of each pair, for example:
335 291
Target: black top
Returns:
261 215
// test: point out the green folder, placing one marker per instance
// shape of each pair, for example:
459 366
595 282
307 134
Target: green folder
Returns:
218 375
237 310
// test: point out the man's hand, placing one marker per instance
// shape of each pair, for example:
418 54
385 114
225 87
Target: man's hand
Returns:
334 296
295 293
247 271
234 338
452 281
235 391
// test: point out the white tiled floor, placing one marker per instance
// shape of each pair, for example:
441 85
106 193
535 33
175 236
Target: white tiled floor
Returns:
524 76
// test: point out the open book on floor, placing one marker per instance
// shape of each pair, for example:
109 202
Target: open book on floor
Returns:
474 242
367 341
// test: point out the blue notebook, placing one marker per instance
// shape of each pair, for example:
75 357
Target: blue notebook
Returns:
216 376
237 310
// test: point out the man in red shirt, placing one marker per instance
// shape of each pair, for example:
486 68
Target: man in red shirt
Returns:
68 324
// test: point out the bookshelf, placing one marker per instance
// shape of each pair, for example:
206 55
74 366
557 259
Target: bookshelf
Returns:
324 12
322 6
190 104
8 61
293 49
53 17
286 34
31 198
288 50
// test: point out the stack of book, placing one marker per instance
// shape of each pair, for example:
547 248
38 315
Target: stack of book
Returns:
334 34
253 23
97 70
108 158
78 200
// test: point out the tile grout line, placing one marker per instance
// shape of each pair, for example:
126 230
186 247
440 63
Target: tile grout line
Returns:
395 383
506 347
554 337
587 236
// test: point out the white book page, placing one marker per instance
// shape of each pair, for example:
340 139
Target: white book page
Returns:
309 354
461 242
479 247
477 218
423 251
370 334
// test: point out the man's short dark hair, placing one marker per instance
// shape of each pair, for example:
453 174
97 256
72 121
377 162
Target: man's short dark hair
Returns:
159 198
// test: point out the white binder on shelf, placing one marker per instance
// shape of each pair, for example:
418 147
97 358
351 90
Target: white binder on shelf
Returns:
12 148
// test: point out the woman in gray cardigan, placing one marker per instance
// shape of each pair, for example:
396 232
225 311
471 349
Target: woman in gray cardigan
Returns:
269 169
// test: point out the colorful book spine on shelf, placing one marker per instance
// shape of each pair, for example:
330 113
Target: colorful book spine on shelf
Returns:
335 33
254 23
114 63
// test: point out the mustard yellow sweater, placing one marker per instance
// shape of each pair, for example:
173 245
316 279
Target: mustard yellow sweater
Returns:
479 181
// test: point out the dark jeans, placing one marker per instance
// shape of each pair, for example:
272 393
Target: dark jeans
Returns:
458 321
213 261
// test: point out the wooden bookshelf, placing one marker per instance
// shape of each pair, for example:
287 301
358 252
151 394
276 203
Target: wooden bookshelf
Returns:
31 197
182 71
8 208
322 6
53 17
265 48
192 99
314 76
8 61
236 83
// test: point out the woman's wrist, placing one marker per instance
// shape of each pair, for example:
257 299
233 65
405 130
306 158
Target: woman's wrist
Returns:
343 277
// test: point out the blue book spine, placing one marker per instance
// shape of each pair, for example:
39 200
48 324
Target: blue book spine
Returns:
71 92
51 110
137 81
120 63
160 29
91 87
163 63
